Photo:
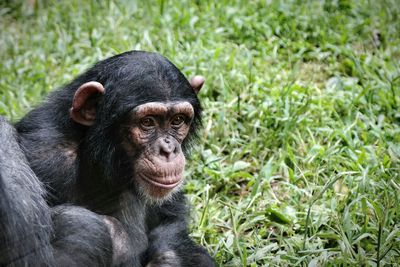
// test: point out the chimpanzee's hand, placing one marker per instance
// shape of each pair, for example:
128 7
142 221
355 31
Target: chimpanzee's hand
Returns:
164 259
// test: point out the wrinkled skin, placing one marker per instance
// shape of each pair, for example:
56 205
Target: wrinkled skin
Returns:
158 130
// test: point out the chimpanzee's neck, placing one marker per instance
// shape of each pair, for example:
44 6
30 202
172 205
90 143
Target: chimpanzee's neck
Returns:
95 189
132 213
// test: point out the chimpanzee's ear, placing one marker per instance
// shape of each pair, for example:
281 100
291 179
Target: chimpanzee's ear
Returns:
84 104
197 82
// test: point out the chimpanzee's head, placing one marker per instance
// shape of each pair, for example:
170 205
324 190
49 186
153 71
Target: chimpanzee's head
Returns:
139 113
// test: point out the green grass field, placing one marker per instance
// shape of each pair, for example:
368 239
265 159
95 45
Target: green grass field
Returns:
298 163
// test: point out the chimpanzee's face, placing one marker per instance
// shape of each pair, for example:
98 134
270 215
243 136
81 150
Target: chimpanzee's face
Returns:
143 104
154 134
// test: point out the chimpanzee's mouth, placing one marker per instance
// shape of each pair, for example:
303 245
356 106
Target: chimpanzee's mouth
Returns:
166 183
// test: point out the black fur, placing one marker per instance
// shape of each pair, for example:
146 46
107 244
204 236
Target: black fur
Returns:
32 233
25 220
84 167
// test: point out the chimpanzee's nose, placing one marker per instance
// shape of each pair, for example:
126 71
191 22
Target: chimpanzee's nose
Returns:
168 148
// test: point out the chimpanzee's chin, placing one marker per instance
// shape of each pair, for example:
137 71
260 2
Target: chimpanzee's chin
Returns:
161 194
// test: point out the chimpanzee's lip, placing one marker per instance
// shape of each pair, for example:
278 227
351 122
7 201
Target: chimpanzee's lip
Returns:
163 183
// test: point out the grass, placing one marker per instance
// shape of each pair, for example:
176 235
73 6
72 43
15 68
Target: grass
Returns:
299 159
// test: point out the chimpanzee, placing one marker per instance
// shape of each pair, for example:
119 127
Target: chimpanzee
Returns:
93 176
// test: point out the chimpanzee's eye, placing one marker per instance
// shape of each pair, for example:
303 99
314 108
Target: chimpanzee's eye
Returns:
147 123
178 120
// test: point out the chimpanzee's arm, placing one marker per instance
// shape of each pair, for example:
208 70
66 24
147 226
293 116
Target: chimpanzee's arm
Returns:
32 233
169 242
81 238
25 222
171 246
